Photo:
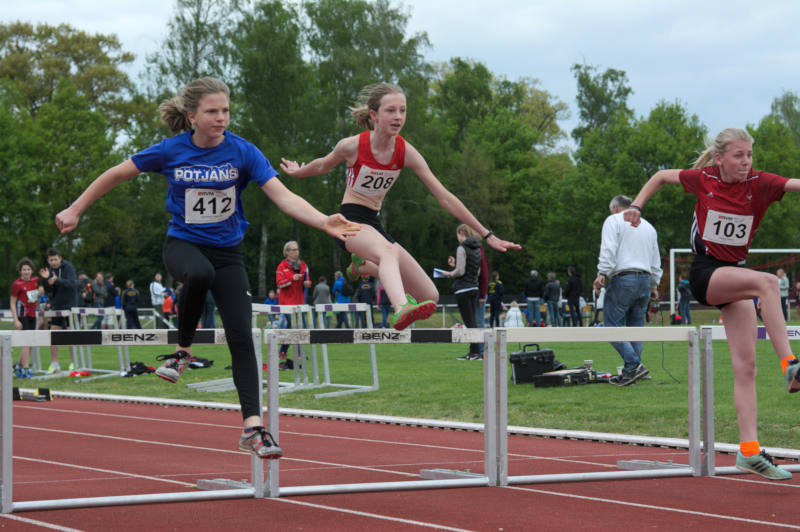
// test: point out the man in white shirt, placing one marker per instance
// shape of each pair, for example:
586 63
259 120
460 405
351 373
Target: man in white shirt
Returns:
630 266
157 298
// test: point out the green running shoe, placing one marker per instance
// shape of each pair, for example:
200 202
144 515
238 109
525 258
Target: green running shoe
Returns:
793 376
761 464
411 312
352 270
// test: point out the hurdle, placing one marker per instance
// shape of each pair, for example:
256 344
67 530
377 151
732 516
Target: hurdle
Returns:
274 338
80 322
717 332
301 378
495 424
326 373
36 358
152 337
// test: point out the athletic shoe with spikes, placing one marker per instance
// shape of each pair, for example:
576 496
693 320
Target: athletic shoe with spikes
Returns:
260 443
176 363
352 270
761 464
793 376
411 312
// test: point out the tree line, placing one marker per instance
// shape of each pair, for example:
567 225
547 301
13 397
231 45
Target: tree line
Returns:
70 111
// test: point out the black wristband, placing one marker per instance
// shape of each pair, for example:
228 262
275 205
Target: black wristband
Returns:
487 235
632 206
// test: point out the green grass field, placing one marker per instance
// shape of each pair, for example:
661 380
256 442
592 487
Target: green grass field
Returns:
426 380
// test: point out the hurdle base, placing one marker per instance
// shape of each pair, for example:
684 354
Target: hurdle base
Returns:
640 465
39 395
223 484
440 474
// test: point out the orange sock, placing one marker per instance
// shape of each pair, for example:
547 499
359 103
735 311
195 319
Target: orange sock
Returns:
749 448
786 361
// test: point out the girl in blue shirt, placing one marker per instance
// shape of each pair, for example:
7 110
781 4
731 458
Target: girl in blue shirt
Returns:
207 167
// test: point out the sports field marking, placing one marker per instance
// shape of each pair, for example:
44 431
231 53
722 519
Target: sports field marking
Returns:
653 507
101 470
374 516
39 523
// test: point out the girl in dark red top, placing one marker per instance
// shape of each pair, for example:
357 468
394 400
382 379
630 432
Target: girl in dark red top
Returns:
731 201
374 160
24 302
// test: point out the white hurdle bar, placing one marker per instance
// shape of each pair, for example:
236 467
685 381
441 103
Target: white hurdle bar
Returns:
326 372
491 363
151 337
80 321
625 334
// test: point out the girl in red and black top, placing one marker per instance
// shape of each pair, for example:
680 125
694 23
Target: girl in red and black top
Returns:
732 198
24 301
374 161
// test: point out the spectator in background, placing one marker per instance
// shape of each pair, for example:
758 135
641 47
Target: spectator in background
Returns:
24 304
495 299
599 296
783 288
384 304
272 299
514 316
321 296
466 265
85 292
573 295
338 294
684 300
208 320
483 287
99 291
365 293
291 277
130 305
157 299
630 261
110 302
168 306
552 298
61 286
533 294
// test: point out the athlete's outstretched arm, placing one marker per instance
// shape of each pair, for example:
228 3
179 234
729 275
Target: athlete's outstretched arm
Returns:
67 220
449 201
346 149
793 185
658 179
335 225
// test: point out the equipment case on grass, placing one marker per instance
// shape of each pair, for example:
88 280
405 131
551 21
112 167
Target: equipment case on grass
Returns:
526 365
565 377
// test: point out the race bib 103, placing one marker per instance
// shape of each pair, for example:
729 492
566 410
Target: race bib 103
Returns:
728 229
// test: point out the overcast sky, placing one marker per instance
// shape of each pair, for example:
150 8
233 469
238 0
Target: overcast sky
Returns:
724 60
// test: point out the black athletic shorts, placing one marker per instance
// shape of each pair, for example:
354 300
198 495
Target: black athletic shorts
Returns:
28 323
700 274
363 215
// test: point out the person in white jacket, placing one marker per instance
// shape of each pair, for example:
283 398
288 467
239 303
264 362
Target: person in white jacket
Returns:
514 316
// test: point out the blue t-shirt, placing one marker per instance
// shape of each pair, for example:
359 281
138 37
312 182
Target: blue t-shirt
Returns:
205 185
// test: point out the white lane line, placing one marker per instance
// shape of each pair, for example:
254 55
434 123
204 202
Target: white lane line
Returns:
39 523
653 507
372 515
211 449
101 470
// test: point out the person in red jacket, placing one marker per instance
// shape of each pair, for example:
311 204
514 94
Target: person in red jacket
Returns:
291 277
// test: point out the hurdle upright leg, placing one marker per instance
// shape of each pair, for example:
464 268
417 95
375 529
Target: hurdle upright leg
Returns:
6 427
256 464
707 466
695 451
273 400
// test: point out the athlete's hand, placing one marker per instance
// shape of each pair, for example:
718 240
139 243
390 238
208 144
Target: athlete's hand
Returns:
340 227
67 220
500 244
634 216
291 168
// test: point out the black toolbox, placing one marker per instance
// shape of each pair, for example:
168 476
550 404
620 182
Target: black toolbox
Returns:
565 377
525 364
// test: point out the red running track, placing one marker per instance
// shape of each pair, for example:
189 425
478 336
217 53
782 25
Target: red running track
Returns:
73 448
